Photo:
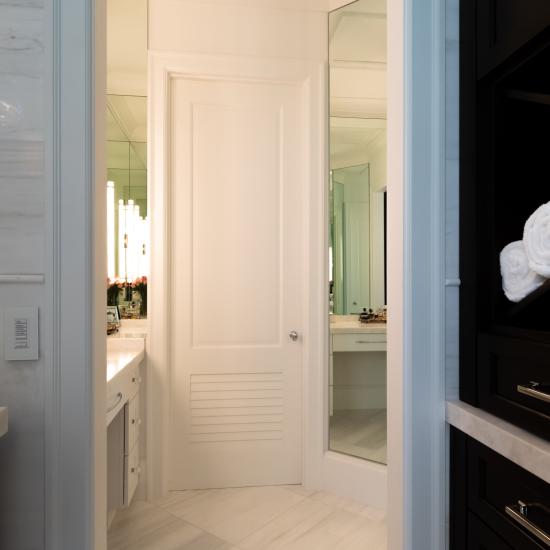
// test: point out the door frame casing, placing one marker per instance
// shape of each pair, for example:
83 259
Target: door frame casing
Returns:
416 439
162 68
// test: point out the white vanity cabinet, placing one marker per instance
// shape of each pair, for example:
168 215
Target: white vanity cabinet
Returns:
363 375
124 358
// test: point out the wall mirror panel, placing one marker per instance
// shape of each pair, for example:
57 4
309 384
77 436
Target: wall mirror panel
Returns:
127 213
357 231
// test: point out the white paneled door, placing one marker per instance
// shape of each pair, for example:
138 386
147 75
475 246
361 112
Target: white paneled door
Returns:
238 165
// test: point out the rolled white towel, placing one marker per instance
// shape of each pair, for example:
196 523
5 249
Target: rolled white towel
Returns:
536 239
518 280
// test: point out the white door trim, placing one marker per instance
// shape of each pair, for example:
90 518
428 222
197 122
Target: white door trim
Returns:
75 373
416 266
162 68
416 420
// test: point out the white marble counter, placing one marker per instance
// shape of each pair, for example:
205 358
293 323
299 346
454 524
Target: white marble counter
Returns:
526 450
122 353
343 324
131 328
3 421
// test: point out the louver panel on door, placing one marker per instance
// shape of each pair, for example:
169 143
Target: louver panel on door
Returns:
236 407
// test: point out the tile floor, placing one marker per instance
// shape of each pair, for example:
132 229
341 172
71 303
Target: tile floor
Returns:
361 433
255 518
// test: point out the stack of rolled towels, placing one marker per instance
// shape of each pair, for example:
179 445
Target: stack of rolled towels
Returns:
525 265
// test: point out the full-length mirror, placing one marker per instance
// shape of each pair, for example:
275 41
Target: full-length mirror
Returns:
127 216
357 225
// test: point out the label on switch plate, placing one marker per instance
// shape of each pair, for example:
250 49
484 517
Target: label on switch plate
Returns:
21 334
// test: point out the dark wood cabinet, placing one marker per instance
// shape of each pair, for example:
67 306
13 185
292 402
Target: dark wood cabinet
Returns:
486 491
504 26
504 147
480 537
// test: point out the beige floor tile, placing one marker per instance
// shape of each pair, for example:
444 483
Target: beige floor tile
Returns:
233 517
255 518
329 533
361 433
177 535
198 503
288 527
136 522
369 536
300 490
175 497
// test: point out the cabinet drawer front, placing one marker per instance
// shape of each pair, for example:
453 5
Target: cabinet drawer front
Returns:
121 390
132 471
358 342
134 422
496 483
480 537
504 384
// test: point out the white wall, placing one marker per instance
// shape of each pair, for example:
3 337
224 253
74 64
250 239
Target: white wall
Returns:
238 28
127 47
22 250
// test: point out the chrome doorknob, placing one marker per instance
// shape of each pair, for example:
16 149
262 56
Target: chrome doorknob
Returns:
293 335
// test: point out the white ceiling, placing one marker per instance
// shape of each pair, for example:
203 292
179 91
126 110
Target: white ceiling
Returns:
357 39
127 47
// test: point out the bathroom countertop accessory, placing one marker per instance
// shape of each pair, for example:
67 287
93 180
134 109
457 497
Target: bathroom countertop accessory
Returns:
341 324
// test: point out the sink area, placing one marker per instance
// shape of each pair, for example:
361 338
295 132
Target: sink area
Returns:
122 353
3 421
342 324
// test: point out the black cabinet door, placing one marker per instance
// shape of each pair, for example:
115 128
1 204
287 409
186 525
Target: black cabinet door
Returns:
504 144
480 537
504 26
484 486
495 483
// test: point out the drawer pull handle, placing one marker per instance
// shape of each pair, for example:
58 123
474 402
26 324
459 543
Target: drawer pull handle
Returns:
519 513
534 389
369 342
118 400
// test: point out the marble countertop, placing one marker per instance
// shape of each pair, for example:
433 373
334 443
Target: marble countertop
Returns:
523 448
123 352
342 324
3 421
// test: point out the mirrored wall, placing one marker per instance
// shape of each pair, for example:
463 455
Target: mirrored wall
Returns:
357 225
127 213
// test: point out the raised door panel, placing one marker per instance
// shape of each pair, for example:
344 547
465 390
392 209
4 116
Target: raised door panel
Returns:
237 168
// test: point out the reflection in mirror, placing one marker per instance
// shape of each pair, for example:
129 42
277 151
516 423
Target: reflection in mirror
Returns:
127 216
357 236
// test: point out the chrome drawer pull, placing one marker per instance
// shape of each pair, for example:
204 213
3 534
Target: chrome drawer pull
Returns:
118 400
533 389
369 342
519 514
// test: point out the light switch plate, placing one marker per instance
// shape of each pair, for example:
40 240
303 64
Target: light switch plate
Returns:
21 334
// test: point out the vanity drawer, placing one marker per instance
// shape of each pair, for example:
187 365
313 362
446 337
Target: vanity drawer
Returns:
122 389
132 470
504 386
134 422
495 487
357 341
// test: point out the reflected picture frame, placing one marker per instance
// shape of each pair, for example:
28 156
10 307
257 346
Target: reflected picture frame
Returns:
113 315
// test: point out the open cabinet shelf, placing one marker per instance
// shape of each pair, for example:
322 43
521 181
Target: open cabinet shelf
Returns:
505 145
